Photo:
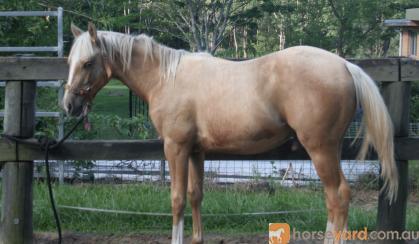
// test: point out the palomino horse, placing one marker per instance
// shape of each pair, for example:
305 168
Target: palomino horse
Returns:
199 104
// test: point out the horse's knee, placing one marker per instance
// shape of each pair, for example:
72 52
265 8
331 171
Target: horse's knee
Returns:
338 199
178 204
332 199
344 193
195 195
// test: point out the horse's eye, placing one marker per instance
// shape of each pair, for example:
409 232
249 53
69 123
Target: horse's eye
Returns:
87 65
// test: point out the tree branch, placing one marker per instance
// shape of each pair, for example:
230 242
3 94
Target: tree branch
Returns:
194 27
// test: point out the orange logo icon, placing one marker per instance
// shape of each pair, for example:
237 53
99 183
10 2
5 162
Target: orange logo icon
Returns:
279 233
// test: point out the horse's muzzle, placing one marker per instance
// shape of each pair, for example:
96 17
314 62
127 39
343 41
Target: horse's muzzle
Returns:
73 105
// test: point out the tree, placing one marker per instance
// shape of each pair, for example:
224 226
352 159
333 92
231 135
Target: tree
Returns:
199 22
359 29
230 28
207 22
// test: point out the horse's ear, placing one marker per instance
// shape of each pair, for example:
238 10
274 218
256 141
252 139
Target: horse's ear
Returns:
76 30
92 32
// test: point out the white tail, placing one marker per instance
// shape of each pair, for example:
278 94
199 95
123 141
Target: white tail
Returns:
377 127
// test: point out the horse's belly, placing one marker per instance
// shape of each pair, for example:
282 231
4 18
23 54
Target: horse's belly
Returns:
246 141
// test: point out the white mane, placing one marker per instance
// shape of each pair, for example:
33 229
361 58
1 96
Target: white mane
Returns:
116 45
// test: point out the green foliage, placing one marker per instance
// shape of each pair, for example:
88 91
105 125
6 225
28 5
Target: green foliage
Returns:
351 28
413 176
26 31
47 99
113 127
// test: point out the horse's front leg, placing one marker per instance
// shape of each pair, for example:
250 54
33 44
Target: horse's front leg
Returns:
195 193
177 155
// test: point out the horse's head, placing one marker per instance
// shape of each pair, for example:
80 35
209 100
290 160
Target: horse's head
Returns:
89 71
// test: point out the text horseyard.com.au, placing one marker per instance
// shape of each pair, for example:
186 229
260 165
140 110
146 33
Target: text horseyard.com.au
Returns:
280 233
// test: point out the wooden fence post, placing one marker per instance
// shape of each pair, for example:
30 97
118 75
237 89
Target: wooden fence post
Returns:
392 217
16 210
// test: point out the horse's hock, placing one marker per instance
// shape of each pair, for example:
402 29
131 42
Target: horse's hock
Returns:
20 74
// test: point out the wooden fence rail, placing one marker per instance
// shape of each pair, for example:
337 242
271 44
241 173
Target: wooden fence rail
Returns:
51 68
395 74
406 149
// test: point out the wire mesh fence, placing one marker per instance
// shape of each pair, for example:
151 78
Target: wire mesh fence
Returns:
291 173
414 128
287 173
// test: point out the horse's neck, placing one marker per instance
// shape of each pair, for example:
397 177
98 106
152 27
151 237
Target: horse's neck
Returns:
143 75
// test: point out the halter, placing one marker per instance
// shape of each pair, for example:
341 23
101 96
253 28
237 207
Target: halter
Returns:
84 92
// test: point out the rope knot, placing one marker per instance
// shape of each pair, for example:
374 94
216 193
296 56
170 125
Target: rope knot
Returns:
46 143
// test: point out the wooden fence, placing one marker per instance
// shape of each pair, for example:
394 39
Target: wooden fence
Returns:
20 73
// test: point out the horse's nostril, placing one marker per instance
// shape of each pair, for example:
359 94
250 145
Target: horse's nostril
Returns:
69 108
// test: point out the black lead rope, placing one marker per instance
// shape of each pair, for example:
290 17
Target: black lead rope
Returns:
46 144
51 195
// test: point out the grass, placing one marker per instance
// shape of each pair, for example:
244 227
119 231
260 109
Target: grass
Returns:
154 198
414 174
113 99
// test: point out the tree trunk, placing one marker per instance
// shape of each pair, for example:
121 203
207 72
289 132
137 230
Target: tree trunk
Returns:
236 46
385 46
244 42
281 38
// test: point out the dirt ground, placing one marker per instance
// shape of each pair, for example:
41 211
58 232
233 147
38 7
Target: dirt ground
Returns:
70 238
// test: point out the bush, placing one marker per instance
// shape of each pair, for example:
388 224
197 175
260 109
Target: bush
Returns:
103 127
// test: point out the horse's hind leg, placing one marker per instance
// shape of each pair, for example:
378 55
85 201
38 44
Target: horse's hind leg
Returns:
326 159
195 193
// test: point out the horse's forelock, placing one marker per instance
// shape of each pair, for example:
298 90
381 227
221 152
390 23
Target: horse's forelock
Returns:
81 49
